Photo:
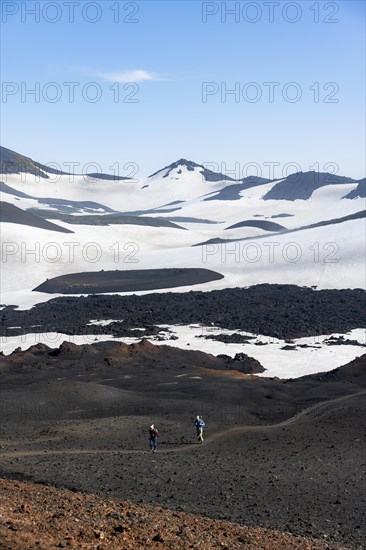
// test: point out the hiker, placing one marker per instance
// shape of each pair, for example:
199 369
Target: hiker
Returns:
199 423
153 438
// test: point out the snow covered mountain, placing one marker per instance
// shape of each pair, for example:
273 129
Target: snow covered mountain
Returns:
306 229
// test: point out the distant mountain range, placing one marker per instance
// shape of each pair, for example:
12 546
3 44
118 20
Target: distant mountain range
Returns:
300 185
15 163
306 229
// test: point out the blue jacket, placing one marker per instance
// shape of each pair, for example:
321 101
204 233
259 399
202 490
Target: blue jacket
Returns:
199 424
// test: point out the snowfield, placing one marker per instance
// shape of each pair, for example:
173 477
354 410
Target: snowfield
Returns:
331 256
278 362
327 257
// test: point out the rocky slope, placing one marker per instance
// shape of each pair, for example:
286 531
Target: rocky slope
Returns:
43 517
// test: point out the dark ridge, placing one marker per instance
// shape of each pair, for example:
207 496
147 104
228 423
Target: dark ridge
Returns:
51 170
62 205
190 165
4 188
173 203
211 176
97 352
232 192
359 192
356 370
253 181
356 216
261 224
281 311
126 281
96 175
104 219
14 163
12 214
158 210
301 185
190 220
101 176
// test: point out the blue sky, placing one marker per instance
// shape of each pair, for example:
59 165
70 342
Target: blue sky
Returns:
172 53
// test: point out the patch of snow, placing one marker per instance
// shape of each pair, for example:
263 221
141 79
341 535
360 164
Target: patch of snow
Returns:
278 362
103 322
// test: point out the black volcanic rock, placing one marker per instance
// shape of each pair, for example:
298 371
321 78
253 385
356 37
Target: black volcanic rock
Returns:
248 365
65 348
241 363
342 341
301 185
234 338
281 311
126 281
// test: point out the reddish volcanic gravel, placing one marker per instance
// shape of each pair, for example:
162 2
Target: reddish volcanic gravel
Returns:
39 516
279 456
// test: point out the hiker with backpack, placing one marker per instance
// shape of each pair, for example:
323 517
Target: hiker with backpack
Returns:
199 424
154 434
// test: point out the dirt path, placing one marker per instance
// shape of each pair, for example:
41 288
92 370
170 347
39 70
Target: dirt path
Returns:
231 432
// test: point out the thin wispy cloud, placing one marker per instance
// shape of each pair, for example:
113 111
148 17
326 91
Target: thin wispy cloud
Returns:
130 76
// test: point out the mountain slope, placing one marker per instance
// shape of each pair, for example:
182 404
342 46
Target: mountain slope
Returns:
177 168
302 185
320 241
359 192
14 163
126 526
11 214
